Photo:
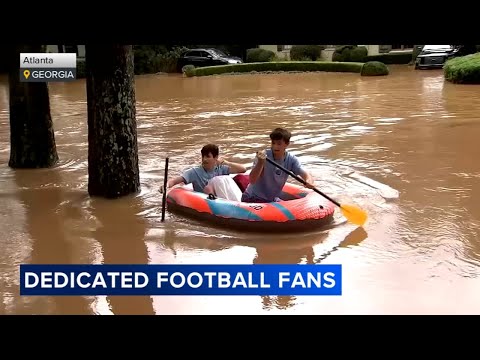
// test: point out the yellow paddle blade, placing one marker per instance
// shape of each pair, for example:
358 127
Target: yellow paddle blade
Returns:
354 214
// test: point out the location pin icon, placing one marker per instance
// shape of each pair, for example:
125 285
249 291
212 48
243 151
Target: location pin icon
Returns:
26 73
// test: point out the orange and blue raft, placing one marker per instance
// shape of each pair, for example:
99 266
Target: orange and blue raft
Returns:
302 204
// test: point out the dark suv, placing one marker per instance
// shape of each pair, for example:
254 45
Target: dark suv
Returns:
434 56
205 57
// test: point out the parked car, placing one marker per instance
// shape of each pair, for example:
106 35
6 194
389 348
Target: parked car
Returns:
205 57
434 56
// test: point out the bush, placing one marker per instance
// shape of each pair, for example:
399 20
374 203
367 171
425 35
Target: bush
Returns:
467 50
187 70
374 68
463 70
342 53
259 55
306 52
296 66
359 54
156 58
346 53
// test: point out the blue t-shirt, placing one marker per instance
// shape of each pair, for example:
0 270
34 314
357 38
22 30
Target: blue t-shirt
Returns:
199 177
270 184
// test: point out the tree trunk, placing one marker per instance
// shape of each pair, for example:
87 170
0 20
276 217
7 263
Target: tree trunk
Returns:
112 128
32 138
416 51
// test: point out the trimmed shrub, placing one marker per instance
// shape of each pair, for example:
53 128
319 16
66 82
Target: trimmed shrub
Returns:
306 52
259 55
374 68
463 70
187 70
280 66
358 54
346 53
342 53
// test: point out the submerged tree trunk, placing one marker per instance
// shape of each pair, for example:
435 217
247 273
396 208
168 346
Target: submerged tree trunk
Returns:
32 138
417 49
112 128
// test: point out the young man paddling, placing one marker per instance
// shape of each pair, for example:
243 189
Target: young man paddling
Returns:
212 176
266 180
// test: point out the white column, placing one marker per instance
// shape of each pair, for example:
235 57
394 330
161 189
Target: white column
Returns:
373 49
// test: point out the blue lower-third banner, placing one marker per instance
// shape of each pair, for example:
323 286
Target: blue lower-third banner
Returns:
166 279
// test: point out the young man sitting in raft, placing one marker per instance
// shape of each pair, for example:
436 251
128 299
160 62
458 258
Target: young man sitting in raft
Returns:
266 180
212 177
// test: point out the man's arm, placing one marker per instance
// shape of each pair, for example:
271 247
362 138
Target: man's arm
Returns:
299 170
235 168
175 181
305 175
259 164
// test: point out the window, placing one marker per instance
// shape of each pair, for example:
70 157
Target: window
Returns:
193 54
71 49
283 47
218 52
402 47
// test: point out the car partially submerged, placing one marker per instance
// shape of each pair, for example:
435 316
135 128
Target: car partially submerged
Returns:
434 56
205 57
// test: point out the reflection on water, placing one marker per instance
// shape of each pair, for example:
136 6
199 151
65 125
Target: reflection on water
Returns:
403 147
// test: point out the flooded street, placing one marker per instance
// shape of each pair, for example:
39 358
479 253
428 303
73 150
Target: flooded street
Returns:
403 147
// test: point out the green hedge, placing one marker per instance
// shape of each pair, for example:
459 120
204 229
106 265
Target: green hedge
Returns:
350 53
259 55
306 52
299 66
354 53
463 70
374 68
401 58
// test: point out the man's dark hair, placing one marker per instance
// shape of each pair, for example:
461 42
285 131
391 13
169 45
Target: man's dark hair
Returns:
210 149
280 134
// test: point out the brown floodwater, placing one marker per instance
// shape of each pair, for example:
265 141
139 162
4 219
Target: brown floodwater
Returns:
403 147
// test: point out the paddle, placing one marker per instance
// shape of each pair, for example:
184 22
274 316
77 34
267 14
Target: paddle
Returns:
353 213
164 198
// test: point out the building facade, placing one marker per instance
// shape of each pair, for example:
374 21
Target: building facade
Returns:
283 51
78 49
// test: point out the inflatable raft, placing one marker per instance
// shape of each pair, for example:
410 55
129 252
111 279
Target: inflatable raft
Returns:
300 209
